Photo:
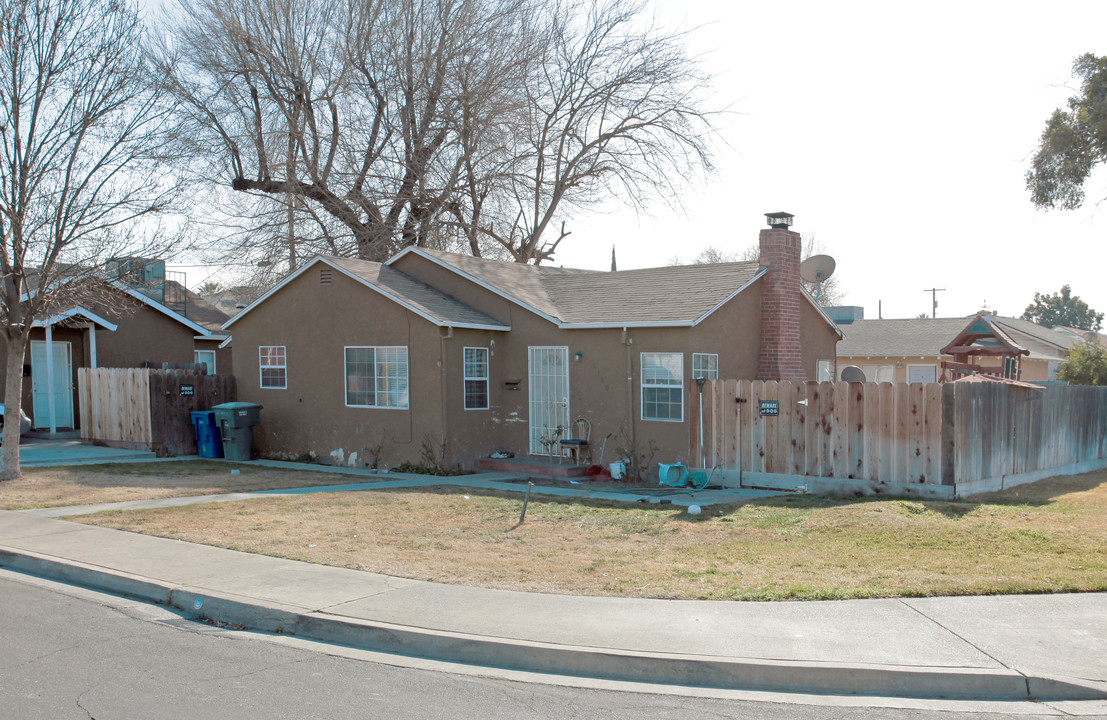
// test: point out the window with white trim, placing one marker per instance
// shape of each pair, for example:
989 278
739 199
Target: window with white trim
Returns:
922 373
874 373
273 363
376 377
476 378
824 370
663 386
206 358
705 365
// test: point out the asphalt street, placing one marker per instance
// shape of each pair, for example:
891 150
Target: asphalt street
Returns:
73 653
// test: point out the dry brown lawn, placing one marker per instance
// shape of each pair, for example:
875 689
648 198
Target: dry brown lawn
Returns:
120 482
1045 537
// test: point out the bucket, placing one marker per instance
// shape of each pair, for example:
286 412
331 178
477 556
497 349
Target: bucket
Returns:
617 469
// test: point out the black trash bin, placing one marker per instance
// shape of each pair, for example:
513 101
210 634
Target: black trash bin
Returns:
236 421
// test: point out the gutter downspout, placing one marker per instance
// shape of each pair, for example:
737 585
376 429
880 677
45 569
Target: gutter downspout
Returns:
627 341
442 389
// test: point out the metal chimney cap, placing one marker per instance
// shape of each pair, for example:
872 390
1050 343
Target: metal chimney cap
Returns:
779 220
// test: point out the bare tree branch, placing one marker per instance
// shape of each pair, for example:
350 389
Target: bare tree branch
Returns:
84 139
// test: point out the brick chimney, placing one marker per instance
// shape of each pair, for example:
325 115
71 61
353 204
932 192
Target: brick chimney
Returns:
780 356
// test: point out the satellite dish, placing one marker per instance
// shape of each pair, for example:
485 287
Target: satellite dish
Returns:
852 373
817 268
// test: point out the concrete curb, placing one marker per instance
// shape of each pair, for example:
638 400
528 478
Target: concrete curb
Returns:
608 664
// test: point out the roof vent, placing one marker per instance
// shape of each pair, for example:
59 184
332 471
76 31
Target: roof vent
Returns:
325 276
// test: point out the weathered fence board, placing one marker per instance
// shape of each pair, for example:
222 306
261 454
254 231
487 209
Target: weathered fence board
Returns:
115 405
957 434
138 408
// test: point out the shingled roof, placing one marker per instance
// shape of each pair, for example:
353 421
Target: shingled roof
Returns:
199 310
437 307
925 337
675 295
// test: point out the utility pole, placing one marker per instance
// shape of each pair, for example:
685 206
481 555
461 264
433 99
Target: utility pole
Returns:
934 299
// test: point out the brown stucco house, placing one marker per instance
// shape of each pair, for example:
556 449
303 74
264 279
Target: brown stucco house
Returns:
355 360
117 325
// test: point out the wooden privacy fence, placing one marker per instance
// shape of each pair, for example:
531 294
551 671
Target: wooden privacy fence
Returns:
964 437
138 408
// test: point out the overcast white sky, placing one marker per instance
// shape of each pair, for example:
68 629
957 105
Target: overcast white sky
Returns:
898 134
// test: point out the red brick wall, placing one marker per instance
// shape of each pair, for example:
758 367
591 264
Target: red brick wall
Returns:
780 356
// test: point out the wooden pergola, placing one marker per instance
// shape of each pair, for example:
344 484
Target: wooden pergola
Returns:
982 337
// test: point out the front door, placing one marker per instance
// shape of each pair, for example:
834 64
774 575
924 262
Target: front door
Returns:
549 398
63 384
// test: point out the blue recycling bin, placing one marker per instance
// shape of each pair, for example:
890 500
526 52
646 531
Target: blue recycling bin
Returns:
208 442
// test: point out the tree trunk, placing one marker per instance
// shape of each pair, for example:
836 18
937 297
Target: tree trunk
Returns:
13 402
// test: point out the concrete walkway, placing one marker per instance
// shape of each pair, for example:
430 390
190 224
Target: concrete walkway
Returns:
66 449
1008 649
507 482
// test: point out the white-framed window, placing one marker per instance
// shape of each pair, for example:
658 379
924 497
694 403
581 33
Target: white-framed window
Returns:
207 358
824 370
705 365
376 377
476 378
922 373
663 386
875 373
273 363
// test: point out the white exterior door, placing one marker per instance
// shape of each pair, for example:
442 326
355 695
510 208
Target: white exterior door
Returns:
63 384
548 384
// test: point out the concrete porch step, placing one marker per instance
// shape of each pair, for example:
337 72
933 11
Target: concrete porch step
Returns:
530 465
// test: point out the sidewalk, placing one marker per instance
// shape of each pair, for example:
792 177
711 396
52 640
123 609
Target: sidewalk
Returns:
1014 648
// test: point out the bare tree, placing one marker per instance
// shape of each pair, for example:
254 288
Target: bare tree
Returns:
614 109
82 135
343 116
367 125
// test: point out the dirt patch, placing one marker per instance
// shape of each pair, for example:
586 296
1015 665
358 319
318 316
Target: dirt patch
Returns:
1048 538
120 482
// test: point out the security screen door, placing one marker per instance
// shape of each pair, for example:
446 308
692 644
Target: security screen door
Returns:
549 398
63 384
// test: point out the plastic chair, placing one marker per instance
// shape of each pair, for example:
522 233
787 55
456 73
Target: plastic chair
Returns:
581 430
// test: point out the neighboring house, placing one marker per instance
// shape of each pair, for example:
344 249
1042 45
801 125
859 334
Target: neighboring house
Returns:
910 350
462 356
123 327
1095 337
231 300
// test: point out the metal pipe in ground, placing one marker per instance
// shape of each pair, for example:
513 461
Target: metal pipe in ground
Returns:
526 499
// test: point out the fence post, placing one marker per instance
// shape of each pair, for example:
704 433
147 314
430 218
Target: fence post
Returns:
949 443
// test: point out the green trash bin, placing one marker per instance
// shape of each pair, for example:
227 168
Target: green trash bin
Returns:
236 421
